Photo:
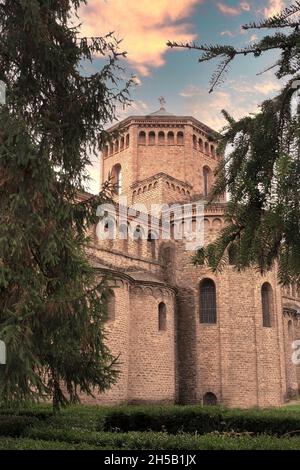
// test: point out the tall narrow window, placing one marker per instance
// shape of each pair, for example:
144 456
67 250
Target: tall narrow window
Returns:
138 237
127 140
170 138
117 178
200 145
290 330
105 151
161 138
151 138
206 182
111 307
123 234
267 304
208 302
142 138
162 317
194 141
180 138
206 147
151 244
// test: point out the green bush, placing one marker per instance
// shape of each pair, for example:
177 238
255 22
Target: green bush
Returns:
200 420
161 441
32 444
15 426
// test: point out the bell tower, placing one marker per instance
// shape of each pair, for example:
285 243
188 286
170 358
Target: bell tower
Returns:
161 157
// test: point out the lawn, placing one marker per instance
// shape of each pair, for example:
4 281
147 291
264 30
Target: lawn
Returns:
149 428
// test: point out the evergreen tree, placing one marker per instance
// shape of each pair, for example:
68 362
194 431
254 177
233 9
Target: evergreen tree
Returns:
261 170
52 306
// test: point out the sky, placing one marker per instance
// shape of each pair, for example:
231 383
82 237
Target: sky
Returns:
146 25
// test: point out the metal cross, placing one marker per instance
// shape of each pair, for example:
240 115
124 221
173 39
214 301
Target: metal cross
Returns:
162 101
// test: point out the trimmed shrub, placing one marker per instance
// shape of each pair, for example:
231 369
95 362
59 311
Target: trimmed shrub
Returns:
161 441
200 420
32 444
15 426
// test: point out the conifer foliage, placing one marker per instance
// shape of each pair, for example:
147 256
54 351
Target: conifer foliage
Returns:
52 306
261 169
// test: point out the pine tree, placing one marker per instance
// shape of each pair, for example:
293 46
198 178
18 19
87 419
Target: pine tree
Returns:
52 306
261 170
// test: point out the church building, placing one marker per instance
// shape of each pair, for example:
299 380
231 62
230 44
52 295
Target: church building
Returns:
184 334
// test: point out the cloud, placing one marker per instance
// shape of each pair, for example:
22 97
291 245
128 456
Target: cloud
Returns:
239 97
245 6
274 7
143 26
233 11
227 33
227 10
206 107
267 87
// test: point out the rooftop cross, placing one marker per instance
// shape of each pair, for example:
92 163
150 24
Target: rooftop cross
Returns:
162 102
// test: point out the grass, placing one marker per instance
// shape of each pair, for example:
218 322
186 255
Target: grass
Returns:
77 428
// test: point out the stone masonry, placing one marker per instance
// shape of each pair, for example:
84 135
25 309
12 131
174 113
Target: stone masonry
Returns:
169 351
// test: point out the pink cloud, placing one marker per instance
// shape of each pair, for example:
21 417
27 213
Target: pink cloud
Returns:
233 11
274 7
143 26
227 10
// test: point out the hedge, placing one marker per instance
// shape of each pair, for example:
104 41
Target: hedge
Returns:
15 426
32 444
160 441
200 420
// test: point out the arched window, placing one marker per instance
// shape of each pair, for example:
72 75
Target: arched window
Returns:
111 148
116 146
267 304
152 244
151 138
180 138
138 233
111 307
210 399
117 178
194 141
123 235
208 302
206 181
142 138
161 138
127 140
206 147
170 138
138 237
200 145
290 330
162 317
213 150
105 151
122 143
